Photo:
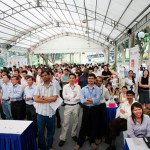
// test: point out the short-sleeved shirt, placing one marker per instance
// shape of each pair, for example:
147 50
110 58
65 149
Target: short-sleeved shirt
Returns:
44 108
29 92
64 77
106 73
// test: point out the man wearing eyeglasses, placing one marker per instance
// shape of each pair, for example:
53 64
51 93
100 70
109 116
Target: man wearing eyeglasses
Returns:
18 107
90 98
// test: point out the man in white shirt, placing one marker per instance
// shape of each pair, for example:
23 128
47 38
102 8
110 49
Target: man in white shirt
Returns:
120 123
96 71
71 95
29 71
23 79
38 77
102 109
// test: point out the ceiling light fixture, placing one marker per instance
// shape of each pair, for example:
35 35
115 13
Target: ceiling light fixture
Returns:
85 21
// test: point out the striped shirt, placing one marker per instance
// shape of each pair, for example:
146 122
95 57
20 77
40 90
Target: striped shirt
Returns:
44 108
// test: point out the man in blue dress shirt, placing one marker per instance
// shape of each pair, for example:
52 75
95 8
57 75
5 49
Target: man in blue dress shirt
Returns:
29 100
18 106
65 77
90 98
6 88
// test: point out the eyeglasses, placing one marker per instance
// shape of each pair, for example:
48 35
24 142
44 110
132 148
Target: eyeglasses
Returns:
44 75
99 81
90 78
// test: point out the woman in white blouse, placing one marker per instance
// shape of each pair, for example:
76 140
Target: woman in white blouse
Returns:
138 124
123 95
130 81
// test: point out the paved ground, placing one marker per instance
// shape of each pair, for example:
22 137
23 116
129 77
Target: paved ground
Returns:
69 145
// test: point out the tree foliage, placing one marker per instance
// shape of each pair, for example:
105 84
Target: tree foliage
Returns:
143 43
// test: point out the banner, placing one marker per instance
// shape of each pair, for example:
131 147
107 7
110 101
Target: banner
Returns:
134 59
17 61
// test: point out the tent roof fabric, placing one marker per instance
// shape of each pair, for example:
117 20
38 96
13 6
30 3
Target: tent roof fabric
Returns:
25 23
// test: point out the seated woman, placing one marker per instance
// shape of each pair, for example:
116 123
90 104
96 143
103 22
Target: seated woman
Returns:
123 95
110 88
130 81
138 124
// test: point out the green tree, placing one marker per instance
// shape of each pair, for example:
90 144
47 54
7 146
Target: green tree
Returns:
142 43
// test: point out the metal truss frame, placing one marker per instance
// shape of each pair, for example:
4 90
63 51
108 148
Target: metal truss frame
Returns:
138 25
28 5
32 31
68 34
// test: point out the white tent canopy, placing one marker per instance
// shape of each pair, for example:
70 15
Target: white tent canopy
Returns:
68 44
25 23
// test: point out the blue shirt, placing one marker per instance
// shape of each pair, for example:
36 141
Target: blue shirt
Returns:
1 81
63 78
29 92
83 81
16 92
94 94
6 89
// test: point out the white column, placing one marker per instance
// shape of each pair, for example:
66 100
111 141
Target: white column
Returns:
28 57
108 55
115 56
131 44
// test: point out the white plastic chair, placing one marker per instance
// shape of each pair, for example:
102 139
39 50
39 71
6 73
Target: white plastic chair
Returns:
124 135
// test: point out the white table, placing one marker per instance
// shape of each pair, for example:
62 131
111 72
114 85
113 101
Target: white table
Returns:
17 135
13 126
136 144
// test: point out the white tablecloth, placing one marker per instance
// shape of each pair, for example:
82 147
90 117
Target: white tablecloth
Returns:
13 126
136 144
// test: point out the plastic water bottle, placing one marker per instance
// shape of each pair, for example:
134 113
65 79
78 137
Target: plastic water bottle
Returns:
112 103
111 98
